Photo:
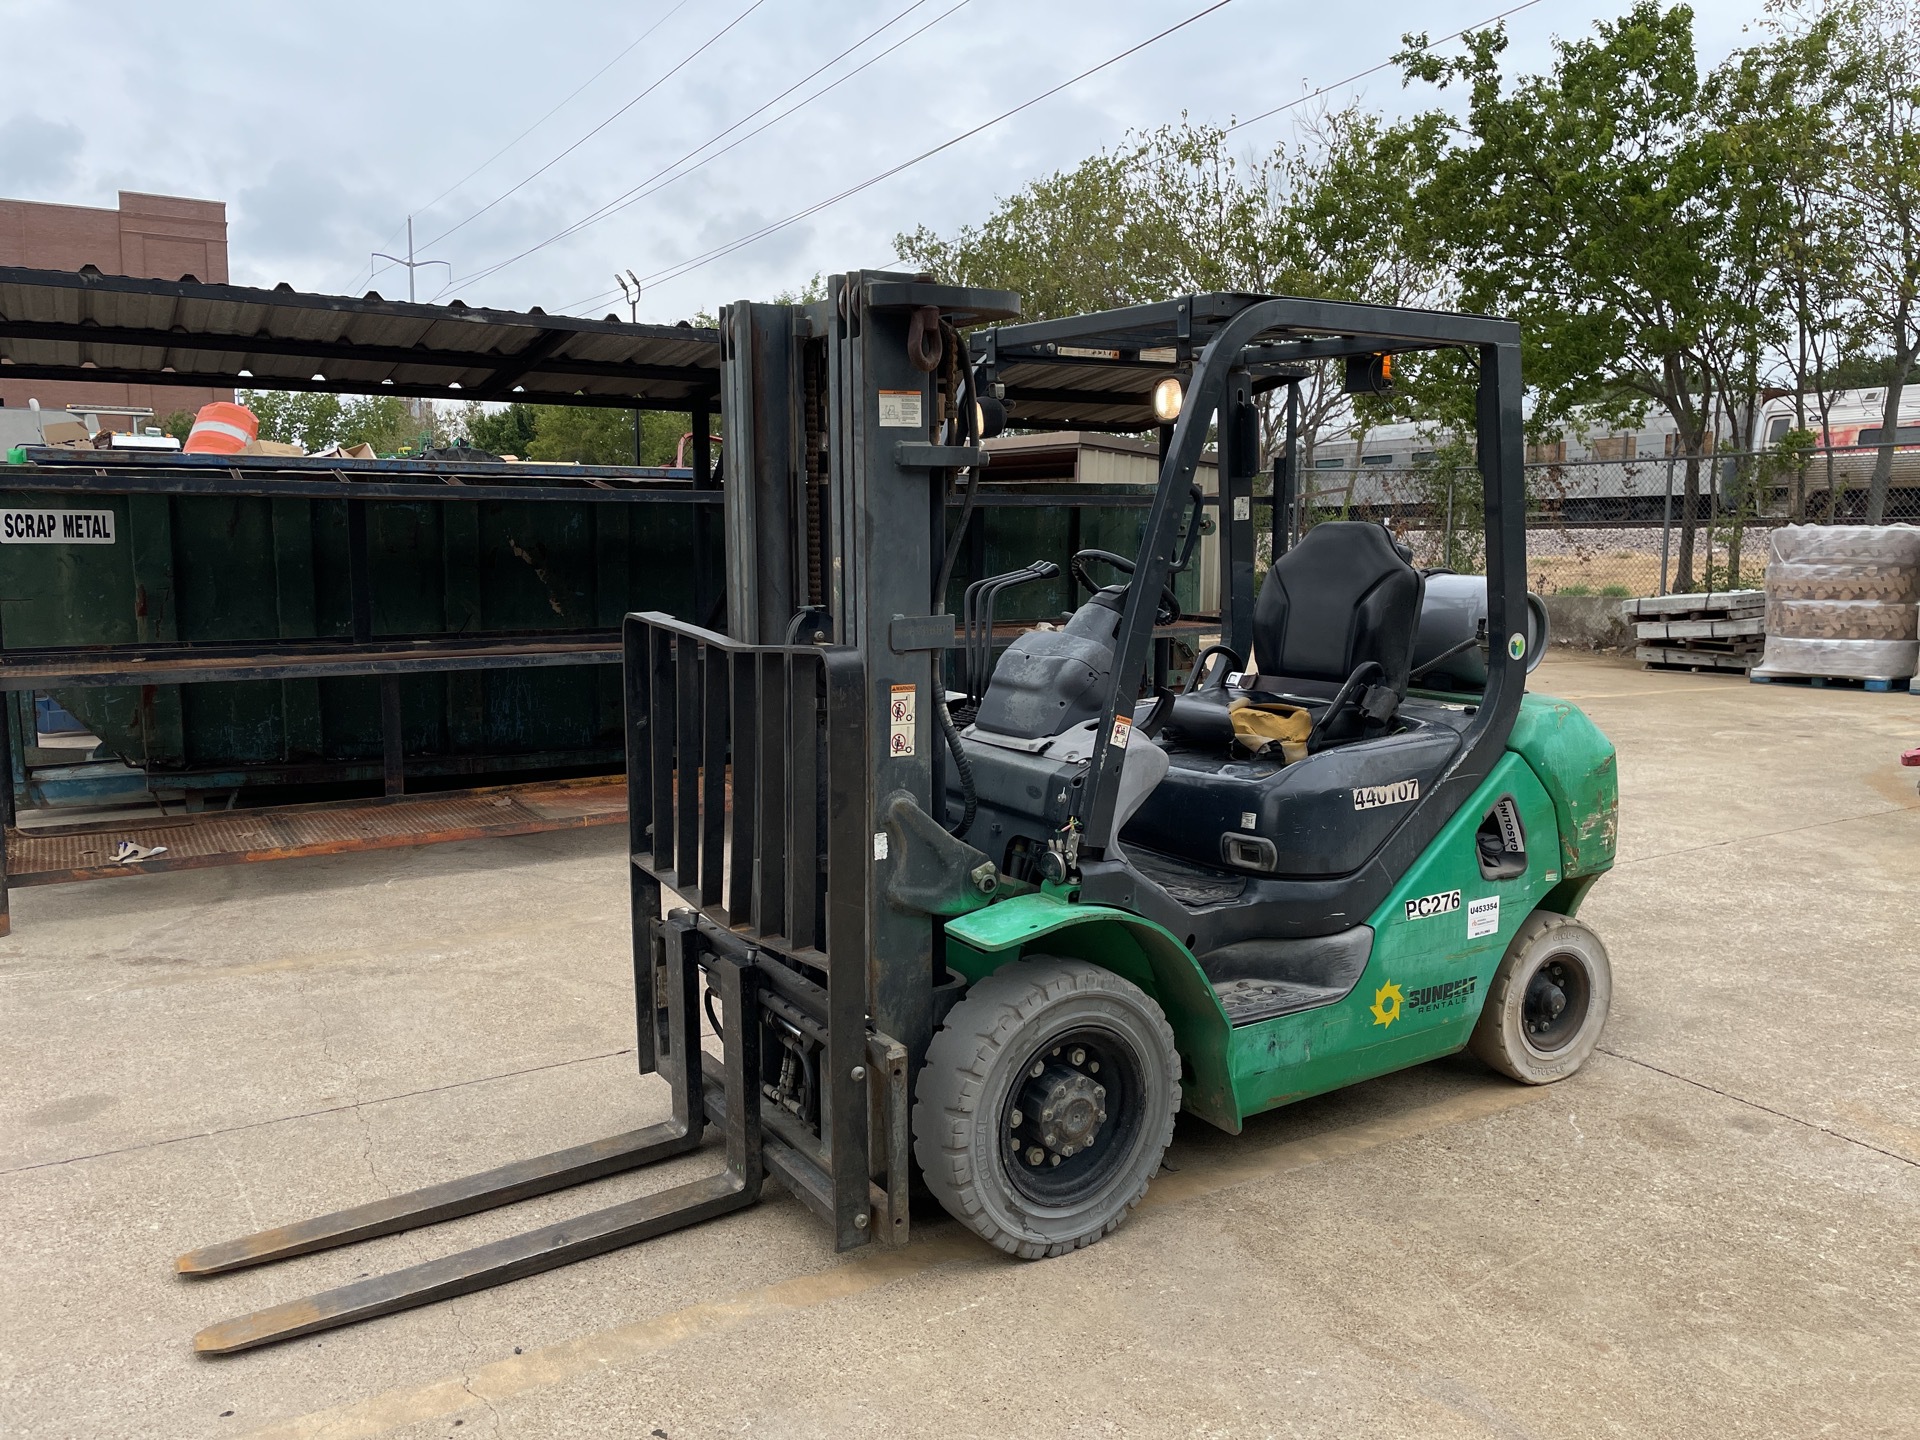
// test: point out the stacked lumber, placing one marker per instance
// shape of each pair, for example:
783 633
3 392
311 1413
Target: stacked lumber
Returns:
1718 630
1843 602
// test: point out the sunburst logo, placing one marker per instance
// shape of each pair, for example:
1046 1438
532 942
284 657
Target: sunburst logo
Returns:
1386 1004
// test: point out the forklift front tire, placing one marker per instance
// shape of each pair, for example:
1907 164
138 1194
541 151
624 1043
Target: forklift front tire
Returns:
1046 1103
1548 1001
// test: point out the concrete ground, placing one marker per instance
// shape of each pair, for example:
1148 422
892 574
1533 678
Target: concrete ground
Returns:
1714 1229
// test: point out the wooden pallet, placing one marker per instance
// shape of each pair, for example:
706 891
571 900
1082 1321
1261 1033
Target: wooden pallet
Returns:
1679 657
1707 605
1898 684
1731 628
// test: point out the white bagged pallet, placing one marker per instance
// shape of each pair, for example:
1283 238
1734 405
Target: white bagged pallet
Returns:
1840 602
1787 657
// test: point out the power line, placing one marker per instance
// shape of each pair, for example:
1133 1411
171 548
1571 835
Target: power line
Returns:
1376 69
374 271
673 272
571 96
698 51
649 187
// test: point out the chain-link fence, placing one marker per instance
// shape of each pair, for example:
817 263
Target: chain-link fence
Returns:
1620 527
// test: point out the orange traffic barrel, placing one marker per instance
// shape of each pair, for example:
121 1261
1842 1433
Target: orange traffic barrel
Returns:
221 428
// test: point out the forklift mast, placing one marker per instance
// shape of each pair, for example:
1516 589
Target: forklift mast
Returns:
835 530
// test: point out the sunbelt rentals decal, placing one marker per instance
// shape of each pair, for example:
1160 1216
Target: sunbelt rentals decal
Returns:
1391 1000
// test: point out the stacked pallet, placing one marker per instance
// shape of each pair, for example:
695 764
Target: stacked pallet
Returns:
1719 630
1841 605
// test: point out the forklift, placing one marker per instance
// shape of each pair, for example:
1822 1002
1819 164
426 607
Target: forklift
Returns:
978 928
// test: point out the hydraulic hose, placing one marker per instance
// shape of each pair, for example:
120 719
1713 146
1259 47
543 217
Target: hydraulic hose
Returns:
970 433
970 800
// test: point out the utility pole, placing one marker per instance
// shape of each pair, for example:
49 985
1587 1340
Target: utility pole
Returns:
411 263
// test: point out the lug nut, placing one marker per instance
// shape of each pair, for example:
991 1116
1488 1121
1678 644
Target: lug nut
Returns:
1056 1159
1056 1049
1079 1056
1038 1070
1015 1120
1094 1068
1035 1155
1067 1150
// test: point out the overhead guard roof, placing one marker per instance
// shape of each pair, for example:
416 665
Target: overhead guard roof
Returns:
1097 371
66 325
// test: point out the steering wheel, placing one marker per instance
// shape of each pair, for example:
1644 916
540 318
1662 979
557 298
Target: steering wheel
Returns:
1168 612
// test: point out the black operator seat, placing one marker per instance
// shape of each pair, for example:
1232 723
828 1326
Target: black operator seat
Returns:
1343 597
1333 630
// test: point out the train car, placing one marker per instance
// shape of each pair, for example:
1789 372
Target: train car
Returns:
1623 474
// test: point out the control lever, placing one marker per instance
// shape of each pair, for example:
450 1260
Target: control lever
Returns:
977 622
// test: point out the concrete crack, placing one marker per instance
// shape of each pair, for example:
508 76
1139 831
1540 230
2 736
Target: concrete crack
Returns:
466 1375
1756 1105
353 1105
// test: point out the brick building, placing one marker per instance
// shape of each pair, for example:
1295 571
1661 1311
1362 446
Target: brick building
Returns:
155 237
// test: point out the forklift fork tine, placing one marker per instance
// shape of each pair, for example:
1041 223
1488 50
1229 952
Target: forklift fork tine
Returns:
547 1248
447 1201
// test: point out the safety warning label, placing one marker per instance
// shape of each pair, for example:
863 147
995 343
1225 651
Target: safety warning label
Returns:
900 712
900 409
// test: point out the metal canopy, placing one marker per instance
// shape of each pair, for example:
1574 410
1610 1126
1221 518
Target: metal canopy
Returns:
1097 372
86 326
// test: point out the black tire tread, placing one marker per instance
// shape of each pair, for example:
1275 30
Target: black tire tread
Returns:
959 1060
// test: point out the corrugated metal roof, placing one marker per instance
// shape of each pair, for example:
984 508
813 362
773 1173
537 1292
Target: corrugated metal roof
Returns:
62 325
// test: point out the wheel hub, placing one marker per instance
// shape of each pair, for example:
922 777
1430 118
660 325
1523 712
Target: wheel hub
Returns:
1555 1005
1060 1109
1068 1108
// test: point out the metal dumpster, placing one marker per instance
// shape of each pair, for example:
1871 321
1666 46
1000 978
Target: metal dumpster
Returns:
210 559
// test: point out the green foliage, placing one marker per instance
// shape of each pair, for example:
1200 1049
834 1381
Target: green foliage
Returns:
382 421
1582 204
295 417
573 433
316 421
1577 590
508 431
1448 489
1330 213
1614 592
178 424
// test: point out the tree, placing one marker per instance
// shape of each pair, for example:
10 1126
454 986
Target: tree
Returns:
507 431
303 418
1875 178
384 422
1176 211
1584 204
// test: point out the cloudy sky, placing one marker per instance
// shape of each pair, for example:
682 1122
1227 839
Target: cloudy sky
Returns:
500 125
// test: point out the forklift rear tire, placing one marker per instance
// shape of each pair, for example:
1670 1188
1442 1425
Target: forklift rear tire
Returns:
1548 1001
1046 1103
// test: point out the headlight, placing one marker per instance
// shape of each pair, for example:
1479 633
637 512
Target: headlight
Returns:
1167 398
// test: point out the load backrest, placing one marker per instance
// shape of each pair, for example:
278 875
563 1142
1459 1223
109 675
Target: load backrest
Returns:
1342 596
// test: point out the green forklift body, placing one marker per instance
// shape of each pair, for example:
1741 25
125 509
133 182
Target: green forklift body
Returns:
1437 938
